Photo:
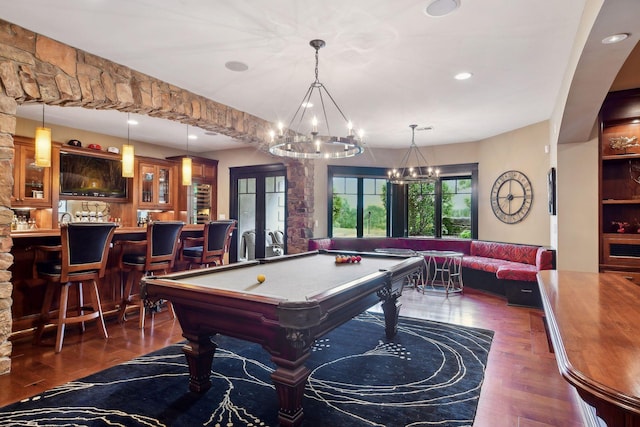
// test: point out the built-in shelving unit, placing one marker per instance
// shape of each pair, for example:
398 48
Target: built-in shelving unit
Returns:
620 184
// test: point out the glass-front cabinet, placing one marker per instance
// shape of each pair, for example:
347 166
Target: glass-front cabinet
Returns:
32 184
155 185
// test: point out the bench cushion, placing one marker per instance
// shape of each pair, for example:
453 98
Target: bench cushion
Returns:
490 265
521 272
545 259
503 269
506 251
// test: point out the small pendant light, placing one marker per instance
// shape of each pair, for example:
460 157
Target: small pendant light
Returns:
128 155
43 145
186 164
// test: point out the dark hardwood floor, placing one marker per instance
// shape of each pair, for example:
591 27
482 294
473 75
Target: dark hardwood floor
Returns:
522 386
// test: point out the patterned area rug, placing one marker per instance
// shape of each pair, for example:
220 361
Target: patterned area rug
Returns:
430 374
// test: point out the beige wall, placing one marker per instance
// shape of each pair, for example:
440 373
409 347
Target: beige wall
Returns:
235 158
574 232
578 206
522 149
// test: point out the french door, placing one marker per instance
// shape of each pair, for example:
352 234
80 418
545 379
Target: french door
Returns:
258 201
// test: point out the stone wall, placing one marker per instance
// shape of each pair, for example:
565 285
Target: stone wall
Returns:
35 68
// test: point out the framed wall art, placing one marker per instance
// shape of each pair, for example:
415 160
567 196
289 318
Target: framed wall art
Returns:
551 183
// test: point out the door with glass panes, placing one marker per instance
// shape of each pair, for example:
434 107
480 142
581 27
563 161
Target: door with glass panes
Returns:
258 202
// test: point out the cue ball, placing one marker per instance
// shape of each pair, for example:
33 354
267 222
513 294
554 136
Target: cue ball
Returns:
261 278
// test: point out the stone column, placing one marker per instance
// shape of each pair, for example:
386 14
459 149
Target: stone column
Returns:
7 129
300 205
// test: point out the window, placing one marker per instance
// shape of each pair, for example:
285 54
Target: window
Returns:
363 204
358 202
456 207
345 202
440 209
422 209
374 192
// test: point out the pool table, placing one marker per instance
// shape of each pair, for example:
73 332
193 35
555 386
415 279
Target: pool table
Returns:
303 297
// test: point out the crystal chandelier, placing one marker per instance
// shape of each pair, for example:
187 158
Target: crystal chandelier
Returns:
313 144
414 166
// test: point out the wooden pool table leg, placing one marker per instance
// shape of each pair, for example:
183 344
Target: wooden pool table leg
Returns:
199 351
391 310
290 378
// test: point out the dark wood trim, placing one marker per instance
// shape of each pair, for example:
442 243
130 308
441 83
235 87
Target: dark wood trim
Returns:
397 200
259 171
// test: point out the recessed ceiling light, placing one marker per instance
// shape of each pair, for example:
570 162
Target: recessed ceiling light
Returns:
307 104
236 66
615 38
463 76
441 7
132 122
191 136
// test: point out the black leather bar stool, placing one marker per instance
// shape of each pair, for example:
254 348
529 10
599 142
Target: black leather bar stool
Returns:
212 246
156 254
80 258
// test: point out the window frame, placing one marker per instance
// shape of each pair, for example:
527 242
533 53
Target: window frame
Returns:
457 179
459 171
397 197
359 173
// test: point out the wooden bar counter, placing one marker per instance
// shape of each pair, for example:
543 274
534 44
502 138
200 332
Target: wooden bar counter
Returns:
593 322
28 292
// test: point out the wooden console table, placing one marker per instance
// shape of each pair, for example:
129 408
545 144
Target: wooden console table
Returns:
594 325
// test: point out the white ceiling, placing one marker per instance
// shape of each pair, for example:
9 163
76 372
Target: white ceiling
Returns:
386 63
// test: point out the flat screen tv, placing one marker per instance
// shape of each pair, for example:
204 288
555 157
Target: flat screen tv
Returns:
91 176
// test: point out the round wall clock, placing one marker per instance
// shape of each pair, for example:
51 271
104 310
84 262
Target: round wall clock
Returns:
511 197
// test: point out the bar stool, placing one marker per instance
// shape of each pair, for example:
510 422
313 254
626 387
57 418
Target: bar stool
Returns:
214 244
81 257
156 254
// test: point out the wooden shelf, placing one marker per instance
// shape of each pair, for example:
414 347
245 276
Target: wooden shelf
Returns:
621 202
621 157
609 235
